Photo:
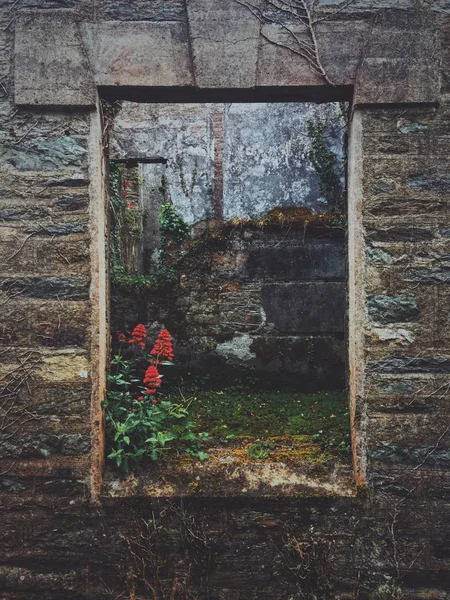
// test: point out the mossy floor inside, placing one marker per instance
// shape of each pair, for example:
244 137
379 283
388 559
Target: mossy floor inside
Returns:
235 414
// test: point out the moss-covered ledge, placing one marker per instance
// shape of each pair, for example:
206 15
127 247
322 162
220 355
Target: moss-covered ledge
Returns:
228 473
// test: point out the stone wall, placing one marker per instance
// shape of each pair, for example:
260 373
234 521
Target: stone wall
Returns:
226 161
265 300
60 537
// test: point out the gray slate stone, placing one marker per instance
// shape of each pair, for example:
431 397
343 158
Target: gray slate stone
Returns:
439 182
51 67
73 444
408 364
71 287
429 455
48 154
314 260
305 307
429 276
58 229
391 309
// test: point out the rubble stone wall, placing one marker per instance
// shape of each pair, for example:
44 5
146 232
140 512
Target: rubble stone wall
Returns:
59 537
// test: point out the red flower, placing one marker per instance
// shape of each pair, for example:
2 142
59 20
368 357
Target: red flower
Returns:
140 398
154 401
163 349
152 380
131 205
138 336
126 185
121 337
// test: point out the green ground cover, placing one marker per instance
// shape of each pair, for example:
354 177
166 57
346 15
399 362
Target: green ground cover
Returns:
235 412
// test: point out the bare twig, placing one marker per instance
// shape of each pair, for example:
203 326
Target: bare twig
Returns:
302 15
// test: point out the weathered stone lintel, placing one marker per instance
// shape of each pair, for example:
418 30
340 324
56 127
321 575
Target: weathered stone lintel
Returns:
59 62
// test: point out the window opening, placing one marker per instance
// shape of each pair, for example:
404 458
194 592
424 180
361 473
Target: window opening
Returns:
228 250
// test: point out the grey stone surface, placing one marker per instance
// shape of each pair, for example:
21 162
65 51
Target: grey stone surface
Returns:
266 162
73 203
142 10
429 455
400 234
400 59
180 134
313 260
438 182
75 443
377 255
70 287
339 45
299 307
429 276
50 65
49 154
225 39
391 309
58 229
314 363
137 53
152 175
144 44
408 364
265 153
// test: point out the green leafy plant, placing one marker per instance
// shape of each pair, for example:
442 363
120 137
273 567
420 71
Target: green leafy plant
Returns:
121 277
172 223
326 163
126 218
140 422
260 450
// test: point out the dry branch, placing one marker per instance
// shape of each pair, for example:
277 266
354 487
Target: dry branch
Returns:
301 15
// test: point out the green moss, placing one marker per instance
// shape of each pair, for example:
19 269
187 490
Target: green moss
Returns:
320 420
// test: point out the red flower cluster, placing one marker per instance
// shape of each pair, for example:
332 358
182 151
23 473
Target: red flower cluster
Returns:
163 349
152 380
126 187
121 337
138 336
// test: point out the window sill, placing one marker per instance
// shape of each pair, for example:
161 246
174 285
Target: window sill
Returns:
228 474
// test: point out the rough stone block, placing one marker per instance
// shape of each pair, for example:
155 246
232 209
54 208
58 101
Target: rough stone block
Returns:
313 260
390 309
224 38
51 67
305 307
311 363
138 53
407 364
339 45
400 60
70 288
142 10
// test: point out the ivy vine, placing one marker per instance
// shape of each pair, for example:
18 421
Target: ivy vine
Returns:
327 166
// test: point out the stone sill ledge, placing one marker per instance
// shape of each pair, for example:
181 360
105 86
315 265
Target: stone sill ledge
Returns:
230 479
